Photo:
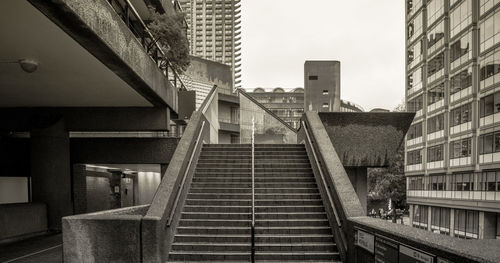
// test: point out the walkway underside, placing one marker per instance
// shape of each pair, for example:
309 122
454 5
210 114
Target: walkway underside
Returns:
291 223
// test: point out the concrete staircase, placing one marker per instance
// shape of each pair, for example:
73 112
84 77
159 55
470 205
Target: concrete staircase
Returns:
291 223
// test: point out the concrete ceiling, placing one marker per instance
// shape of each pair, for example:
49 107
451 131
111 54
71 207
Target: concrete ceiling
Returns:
67 76
132 167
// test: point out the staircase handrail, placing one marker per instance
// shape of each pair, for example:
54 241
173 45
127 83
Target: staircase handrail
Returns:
253 193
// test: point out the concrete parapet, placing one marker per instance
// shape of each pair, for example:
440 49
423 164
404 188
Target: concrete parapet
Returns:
22 220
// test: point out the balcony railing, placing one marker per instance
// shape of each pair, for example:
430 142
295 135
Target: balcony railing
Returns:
131 17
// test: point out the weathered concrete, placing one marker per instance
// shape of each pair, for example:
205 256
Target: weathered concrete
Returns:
359 179
87 119
123 150
50 170
109 236
20 220
100 30
366 139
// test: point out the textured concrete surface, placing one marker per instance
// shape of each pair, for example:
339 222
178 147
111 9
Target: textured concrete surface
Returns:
455 249
366 139
100 30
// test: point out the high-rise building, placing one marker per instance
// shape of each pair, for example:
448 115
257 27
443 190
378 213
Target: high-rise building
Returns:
453 146
322 85
214 31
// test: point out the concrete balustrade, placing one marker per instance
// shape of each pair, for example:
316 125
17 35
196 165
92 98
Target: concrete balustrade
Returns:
22 220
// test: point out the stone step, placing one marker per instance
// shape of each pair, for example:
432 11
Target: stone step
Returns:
218 209
215 222
213 230
249 185
220 190
248 169
248 196
291 215
213 238
257 173
258 202
287 256
324 230
258 179
257 165
288 209
257 190
187 256
291 222
296 246
216 215
211 246
291 239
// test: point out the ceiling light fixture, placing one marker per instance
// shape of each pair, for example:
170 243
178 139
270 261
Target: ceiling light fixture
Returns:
27 65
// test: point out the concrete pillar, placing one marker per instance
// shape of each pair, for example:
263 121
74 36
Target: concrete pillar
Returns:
487 225
429 218
359 180
115 180
411 207
452 222
79 188
51 171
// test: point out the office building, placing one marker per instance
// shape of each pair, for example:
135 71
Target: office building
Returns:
322 86
453 146
214 31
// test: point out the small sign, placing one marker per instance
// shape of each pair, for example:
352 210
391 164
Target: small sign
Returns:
410 255
386 251
365 240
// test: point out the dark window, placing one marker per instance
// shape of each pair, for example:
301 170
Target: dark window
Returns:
435 94
460 115
414 157
415 104
435 123
489 104
460 148
461 81
415 131
313 77
435 153
435 64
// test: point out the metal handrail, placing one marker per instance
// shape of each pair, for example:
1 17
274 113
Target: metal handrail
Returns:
252 256
323 180
146 34
181 185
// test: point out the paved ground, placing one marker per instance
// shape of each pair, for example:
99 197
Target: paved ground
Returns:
38 249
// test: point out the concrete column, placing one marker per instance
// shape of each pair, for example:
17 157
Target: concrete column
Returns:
487 225
51 171
411 210
429 218
452 222
79 188
359 180
115 180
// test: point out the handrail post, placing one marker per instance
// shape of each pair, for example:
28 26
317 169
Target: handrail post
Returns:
252 256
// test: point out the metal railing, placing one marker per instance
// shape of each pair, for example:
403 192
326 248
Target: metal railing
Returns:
338 221
252 256
132 19
188 166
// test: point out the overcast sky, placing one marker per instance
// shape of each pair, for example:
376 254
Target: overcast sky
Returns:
366 36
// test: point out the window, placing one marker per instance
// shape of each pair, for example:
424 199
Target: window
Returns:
489 143
415 183
435 153
420 216
436 64
489 181
489 105
415 53
435 124
325 92
435 37
437 182
489 31
414 157
435 93
461 114
440 219
415 104
489 68
461 50
486 5
460 148
415 79
466 223
412 6
415 131
435 9
313 77
460 17
415 27
461 80
462 182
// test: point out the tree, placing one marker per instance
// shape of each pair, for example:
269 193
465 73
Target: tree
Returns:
169 31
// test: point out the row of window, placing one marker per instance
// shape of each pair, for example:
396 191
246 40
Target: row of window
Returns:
458 149
466 222
489 143
488 181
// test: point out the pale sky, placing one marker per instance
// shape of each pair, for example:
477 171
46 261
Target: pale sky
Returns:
366 36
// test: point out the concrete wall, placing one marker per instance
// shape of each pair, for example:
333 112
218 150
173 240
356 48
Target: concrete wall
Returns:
320 76
211 72
147 183
17 220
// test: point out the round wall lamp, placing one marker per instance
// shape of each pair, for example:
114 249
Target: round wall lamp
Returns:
27 65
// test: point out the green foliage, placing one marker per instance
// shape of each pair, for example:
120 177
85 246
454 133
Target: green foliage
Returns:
169 31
